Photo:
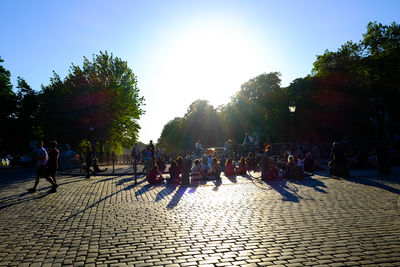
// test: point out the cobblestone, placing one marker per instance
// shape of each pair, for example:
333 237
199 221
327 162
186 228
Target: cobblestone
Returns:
109 220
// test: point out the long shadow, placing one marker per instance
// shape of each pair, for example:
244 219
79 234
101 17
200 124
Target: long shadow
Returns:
232 178
177 197
311 182
287 193
375 182
196 183
168 189
104 198
144 189
24 197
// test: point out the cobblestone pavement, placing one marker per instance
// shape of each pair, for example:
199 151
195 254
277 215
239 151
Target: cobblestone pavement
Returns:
108 220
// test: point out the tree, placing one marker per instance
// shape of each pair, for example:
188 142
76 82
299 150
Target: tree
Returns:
101 95
26 123
7 107
369 74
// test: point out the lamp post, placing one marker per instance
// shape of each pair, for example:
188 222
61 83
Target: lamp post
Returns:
292 110
91 129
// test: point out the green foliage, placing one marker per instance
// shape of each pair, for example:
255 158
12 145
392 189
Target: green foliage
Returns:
102 94
351 92
82 145
114 147
7 106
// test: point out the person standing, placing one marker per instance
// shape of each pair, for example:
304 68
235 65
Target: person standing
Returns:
136 152
227 148
89 160
151 148
199 149
41 162
52 165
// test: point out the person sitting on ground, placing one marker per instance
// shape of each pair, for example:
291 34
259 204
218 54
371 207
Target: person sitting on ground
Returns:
216 169
161 163
242 169
155 177
282 162
195 173
204 167
229 167
174 173
274 171
293 171
148 165
265 166
299 162
311 165
251 161
96 167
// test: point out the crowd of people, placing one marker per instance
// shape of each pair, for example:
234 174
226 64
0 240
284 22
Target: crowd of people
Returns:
209 165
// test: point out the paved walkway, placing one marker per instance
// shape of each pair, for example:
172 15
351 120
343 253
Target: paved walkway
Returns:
108 220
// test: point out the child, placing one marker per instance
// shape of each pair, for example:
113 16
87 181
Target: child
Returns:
155 177
196 170
229 167
174 173
242 170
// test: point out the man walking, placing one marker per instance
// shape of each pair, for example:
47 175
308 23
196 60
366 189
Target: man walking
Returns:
41 162
52 165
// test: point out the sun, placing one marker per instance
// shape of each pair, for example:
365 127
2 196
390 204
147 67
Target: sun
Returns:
211 62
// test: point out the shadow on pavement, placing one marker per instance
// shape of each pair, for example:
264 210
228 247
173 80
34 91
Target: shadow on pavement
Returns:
177 197
376 182
288 193
23 197
311 182
370 178
232 178
168 189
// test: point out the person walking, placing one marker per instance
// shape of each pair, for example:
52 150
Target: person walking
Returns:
52 165
41 162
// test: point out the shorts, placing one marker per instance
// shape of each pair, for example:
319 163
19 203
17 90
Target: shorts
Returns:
41 171
51 172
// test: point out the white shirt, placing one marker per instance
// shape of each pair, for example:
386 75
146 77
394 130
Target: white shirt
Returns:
42 157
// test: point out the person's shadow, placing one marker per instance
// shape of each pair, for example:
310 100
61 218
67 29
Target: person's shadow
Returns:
311 182
287 193
177 197
168 189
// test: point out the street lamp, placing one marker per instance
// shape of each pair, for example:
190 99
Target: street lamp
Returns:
91 137
292 109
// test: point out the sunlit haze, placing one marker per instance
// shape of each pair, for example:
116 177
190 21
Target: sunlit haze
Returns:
181 51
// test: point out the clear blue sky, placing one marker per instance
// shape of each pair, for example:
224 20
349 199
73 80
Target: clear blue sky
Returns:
182 50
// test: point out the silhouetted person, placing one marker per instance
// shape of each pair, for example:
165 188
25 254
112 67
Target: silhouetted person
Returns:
338 164
96 167
89 160
41 162
52 165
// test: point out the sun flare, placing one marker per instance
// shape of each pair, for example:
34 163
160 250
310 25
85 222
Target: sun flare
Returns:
211 62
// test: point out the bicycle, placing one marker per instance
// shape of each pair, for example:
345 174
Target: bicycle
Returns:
254 171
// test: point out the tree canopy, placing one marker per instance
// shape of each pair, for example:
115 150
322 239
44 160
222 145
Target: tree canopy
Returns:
352 92
98 100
